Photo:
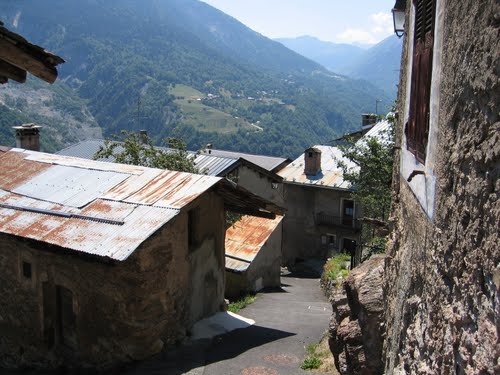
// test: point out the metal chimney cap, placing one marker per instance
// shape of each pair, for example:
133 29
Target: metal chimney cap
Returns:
27 126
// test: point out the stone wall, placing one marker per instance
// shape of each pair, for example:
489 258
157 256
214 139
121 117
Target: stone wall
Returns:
443 274
356 327
122 311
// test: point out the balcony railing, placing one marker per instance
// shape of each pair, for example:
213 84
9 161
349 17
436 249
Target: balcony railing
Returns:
337 221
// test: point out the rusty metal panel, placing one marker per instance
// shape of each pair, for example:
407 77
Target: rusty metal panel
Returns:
81 163
70 186
132 185
15 170
158 187
245 239
188 190
87 236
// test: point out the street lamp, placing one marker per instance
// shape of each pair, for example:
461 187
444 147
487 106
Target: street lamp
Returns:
398 16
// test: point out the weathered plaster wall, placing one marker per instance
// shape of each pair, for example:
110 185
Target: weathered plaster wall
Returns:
123 311
260 184
443 277
301 235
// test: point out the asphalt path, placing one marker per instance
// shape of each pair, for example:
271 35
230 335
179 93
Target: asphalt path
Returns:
286 320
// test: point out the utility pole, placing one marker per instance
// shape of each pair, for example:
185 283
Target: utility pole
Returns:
376 105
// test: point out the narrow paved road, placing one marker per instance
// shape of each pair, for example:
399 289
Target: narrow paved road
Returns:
285 322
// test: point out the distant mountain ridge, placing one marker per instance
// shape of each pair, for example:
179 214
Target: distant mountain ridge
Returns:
378 64
332 56
183 68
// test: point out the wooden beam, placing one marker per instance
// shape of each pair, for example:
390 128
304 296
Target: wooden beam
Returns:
12 72
23 60
246 211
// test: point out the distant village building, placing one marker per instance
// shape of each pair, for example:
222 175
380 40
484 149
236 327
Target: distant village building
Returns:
253 255
103 263
442 279
321 216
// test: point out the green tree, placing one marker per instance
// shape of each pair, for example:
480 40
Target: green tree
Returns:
137 149
372 182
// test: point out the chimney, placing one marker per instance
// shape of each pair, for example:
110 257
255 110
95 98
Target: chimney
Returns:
28 136
312 161
143 136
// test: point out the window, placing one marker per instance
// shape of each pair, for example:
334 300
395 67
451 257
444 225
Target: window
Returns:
417 128
27 270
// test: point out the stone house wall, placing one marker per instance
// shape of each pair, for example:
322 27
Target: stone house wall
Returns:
120 311
443 275
260 184
302 236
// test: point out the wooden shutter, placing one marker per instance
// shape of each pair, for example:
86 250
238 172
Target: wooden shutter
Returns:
417 130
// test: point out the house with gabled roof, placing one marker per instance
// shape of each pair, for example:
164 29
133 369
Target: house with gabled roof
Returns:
102 263
321 216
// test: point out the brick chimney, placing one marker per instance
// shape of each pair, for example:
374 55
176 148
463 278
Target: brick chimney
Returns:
312 161
28 136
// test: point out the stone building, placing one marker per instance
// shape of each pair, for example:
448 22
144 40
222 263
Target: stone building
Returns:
321 217
102 263
443 271
253 255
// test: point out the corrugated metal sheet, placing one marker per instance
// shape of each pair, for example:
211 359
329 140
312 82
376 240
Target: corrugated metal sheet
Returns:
207 164
75 187
269 163
15 169
99 208
187 191
245 239
214 165
331 175
87 236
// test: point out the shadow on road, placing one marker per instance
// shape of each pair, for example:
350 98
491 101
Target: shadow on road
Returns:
205 352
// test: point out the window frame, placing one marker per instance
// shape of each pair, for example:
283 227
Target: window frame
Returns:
417 127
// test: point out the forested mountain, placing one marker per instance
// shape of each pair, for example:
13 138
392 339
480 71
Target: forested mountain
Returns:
332 56
378 64
183 68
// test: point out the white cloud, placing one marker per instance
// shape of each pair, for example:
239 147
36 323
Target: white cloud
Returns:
356 35
379 27
382 23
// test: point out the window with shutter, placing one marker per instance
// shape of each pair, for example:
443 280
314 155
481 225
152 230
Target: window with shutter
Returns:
417 128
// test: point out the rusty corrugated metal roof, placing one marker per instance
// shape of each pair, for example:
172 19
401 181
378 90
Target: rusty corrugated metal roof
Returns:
245 239
330 176
34 185
99 208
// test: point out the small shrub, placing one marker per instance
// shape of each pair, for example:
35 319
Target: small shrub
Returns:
243 302
336 268
311 363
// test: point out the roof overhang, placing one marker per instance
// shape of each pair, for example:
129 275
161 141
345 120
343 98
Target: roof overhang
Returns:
18 56
240 200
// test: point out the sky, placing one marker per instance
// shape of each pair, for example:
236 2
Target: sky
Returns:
339 21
